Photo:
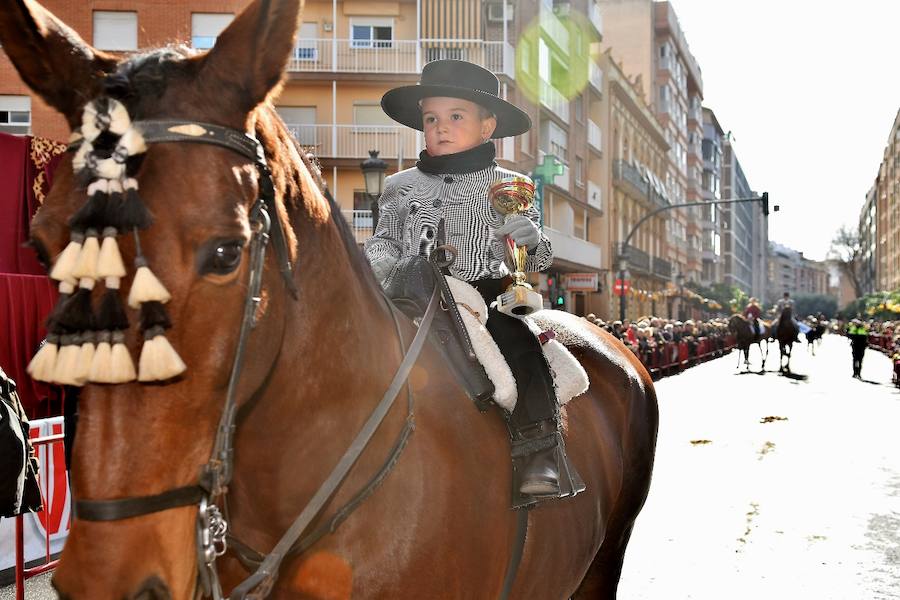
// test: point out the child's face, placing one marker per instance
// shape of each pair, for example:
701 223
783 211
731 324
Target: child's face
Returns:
454 125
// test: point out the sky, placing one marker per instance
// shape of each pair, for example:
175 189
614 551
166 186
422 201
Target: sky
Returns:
809 90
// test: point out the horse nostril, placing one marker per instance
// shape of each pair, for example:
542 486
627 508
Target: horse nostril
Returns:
153 588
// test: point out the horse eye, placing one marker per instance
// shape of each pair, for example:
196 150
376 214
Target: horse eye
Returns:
223 258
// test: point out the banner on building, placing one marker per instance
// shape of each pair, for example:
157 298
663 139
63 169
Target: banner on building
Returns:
581 282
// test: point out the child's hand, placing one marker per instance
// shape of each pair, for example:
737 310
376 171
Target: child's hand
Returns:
521 230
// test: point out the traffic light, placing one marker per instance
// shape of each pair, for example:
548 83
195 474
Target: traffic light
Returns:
765 204
560 301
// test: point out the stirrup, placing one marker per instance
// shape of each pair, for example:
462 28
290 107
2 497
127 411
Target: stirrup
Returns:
570 482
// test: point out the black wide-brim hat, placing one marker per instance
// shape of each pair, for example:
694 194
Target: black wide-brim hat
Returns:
455 79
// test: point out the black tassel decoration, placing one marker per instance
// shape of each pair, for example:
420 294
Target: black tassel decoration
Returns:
154 315
112 315
132 211
76 313
93 213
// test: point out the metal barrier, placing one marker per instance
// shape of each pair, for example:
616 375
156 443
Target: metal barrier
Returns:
674 357
22 573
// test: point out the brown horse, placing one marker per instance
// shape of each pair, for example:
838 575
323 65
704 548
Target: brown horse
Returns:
746 337
786 334
440 524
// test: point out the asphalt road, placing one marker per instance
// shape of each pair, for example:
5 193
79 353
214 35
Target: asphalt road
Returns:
767 486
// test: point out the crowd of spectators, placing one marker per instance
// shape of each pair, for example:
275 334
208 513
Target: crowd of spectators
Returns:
661 344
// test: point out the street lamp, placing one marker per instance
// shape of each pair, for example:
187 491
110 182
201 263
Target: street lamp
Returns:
622 260
679 281
373 170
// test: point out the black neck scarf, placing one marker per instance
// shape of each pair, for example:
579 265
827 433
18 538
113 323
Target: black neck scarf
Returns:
468 161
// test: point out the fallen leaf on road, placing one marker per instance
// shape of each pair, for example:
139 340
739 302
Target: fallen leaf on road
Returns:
767 447
770 419
700 442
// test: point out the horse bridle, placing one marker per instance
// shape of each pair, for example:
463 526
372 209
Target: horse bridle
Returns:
216 474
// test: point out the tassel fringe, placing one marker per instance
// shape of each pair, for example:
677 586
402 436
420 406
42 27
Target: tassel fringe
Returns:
109 263
146 287
159 361
65 262
43 364
86 265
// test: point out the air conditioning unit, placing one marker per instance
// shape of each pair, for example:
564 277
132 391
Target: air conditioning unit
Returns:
495 12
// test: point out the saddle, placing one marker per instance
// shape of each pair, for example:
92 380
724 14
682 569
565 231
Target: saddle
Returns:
410 288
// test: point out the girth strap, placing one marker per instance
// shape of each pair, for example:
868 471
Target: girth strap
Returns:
124 508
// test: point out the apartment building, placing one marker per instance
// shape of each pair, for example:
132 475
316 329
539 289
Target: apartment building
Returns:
349 52
790 271
737 223
648 39
637 150
868 238
711 186
887 190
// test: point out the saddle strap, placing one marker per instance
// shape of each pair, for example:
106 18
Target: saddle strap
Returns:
260 583
515 558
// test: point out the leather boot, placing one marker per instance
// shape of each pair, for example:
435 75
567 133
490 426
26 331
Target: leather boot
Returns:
540 471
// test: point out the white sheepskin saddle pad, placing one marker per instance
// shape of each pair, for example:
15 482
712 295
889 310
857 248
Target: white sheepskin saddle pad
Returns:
569 377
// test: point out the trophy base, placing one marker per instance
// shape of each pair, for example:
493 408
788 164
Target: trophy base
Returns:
519 301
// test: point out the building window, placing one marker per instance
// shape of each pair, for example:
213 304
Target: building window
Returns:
579 108
370 113
301 122
307 48
525 143
377 32
15 114
579 171
206 27
114 30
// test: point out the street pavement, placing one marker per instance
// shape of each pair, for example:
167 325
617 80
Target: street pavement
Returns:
765 486
768 486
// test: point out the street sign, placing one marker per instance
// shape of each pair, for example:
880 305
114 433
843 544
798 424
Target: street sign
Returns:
581 282
618 287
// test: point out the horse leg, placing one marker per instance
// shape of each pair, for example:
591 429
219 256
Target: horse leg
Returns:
602 578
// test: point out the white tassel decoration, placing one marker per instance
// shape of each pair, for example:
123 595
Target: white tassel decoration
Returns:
79 161
132 143
146 288
86 265
67 362
110 263
98 186
89 125
159 361
110 168
43 364
67 287
122 365
65 262
85 359
101 362
119 122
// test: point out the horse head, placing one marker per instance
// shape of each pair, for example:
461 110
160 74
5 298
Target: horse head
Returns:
201 198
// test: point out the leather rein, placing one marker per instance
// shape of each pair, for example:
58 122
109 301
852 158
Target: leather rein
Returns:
212 528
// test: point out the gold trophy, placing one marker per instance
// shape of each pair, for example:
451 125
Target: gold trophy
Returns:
514 196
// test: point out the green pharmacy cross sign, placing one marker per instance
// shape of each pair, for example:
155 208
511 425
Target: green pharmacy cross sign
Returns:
546 171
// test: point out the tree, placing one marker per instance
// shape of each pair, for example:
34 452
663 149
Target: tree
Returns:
846 250
814 304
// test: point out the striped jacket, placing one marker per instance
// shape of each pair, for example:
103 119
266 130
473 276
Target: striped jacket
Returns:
414 202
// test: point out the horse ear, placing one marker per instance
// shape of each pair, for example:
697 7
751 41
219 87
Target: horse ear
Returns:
249 57
51 58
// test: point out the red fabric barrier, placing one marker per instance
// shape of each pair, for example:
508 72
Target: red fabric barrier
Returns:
26 169
25 301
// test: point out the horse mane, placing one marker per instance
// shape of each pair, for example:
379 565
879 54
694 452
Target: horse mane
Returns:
141 79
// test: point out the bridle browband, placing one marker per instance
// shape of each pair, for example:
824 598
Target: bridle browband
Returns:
216 474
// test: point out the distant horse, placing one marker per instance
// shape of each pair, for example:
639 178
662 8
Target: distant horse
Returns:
786 334
814 336
425 511
742 329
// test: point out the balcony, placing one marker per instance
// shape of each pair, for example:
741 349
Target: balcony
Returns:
596 18
360 222
555 31
396 56
595 195
552 99
572 249
355 141
662 268
595 77
642 182
638 260
595 136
